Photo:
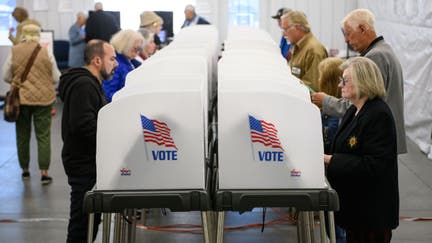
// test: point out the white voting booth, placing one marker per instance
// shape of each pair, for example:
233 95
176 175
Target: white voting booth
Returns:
135 156
269 132
152 135
165 142
270 149
296 162
151 140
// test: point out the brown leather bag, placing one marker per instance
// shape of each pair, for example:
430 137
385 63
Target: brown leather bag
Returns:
11 107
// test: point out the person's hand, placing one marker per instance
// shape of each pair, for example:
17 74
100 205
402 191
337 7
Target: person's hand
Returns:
327 159
317 98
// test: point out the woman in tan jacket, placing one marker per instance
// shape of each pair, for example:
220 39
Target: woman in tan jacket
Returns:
37 95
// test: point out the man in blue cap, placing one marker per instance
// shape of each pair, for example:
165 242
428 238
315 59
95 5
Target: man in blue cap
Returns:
284 44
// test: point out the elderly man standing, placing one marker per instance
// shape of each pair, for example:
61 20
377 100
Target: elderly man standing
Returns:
360 33
191 18
77 41
307 51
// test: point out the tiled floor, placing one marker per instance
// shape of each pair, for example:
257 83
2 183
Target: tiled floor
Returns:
40 213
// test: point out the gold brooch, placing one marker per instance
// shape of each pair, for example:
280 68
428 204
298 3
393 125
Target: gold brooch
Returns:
352 141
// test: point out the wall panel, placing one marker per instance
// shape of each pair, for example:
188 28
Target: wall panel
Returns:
52 19
407 27
324 17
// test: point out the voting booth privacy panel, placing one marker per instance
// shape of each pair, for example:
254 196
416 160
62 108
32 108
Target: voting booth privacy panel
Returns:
153 134
189 133
269 133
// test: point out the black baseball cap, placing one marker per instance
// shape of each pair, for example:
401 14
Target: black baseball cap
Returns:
281 12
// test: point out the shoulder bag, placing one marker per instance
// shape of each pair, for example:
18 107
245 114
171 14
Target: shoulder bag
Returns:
11 107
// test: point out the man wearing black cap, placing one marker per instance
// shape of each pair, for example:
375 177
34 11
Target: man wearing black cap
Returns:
284 45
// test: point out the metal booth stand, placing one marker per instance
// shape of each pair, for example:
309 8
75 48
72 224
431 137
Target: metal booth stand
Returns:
306 201
254 142
216 198
125 203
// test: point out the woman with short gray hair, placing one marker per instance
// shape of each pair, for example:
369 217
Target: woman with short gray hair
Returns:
362 163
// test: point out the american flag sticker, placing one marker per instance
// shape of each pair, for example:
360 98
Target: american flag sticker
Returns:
157 132
266 146
264 133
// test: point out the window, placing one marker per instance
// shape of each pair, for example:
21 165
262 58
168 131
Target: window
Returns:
6 21
243 13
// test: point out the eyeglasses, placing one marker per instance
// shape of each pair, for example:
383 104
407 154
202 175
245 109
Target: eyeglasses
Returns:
289 27
138 49
344 80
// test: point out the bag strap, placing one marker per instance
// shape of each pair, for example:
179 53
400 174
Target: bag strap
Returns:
30 63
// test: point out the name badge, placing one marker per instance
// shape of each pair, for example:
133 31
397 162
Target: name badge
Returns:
296 70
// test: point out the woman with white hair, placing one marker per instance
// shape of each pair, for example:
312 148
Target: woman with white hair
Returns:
149 46
36 94
127 44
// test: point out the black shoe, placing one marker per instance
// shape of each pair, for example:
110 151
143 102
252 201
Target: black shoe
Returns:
25 175
45 180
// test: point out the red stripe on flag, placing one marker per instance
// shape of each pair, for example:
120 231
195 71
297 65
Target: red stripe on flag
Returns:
161 136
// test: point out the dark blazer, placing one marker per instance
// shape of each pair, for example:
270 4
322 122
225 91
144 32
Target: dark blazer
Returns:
363 169
200 20
101 25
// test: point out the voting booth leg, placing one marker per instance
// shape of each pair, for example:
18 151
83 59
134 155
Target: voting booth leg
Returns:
90 228
123 229
131 225
304 227
207 226
323 235
220 226
307 231
117 228
332 229
106 229
143 216
214 223
299 229
312 225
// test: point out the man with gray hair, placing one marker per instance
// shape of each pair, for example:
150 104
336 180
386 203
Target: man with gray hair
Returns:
98 6
191 18
307 51
359 31
77 41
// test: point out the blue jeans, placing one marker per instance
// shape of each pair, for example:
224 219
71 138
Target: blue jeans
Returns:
340 234
339 231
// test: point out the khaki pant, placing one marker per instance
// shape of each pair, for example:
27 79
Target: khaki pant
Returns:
42 125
